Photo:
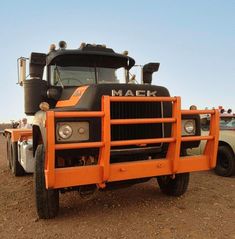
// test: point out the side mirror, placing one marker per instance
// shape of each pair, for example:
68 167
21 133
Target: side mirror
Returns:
148 70
21 63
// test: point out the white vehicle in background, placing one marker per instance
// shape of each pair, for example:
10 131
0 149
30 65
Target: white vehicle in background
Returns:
225 165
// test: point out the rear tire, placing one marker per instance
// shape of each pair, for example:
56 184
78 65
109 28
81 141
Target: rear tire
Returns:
47 200
174 187
9 154
16 167
225 165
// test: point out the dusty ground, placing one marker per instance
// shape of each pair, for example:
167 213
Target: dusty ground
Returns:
207 210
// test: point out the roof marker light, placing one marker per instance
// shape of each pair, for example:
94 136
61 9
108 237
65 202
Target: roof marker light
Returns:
193 107
62 45
125 53
83 44
52 47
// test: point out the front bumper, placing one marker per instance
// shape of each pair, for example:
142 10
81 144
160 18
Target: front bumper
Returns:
104 171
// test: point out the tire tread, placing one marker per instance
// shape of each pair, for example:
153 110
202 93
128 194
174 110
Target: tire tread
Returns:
47 200
16 167
174 187
227 152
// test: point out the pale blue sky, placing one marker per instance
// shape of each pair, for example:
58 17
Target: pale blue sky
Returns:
193 40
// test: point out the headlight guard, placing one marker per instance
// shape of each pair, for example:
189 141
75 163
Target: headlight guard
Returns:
72 131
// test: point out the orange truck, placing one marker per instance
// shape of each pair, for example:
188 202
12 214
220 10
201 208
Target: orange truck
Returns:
95 127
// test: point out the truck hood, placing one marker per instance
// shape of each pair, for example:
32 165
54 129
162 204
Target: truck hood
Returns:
89 97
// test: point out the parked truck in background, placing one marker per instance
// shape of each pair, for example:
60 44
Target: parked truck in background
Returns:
225 164
95 128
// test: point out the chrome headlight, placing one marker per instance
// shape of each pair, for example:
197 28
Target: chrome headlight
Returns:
65 131
188 127
72 131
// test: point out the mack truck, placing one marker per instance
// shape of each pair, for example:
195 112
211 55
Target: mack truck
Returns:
95 127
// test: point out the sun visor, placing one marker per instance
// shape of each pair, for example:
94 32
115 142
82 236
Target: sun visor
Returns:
91 59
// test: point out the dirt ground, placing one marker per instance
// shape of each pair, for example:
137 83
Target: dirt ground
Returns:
207 210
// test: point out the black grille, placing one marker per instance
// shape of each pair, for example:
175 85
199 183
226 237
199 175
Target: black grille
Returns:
135 110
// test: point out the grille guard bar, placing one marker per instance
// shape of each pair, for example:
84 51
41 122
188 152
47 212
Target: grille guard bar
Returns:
105 172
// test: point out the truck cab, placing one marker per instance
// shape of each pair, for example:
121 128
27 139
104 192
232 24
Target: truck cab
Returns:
94 127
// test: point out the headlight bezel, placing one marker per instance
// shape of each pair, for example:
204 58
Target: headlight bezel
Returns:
76 135
188 127
62 131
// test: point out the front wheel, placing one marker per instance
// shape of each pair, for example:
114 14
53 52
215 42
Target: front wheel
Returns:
225 165
47 200
174 186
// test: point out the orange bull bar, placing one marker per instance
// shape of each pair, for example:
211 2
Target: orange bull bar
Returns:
105 172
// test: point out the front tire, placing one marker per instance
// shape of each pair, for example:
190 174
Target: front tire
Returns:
16 167
47 200
225 165
174 187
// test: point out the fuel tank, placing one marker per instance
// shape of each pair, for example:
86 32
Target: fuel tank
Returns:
25 155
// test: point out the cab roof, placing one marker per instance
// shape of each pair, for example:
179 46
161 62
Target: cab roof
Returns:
89 55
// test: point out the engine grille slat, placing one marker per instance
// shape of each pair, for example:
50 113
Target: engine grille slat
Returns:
135 110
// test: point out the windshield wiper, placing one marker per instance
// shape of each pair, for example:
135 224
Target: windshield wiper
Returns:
59 79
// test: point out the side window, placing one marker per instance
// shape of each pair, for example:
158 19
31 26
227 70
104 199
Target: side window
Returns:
120 75
53 76
106 75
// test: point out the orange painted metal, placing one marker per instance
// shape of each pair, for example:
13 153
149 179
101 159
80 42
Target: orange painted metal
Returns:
74 99
104 157
157 167
18 134
74 176
79 114
50 150
173 153
196 112
122 171
142 141
196 138
212 145
79 145
142 121
104 171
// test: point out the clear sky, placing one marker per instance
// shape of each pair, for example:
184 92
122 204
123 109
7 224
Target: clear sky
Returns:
193 40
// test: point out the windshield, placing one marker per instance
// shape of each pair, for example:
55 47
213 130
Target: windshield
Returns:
225 123
76 75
